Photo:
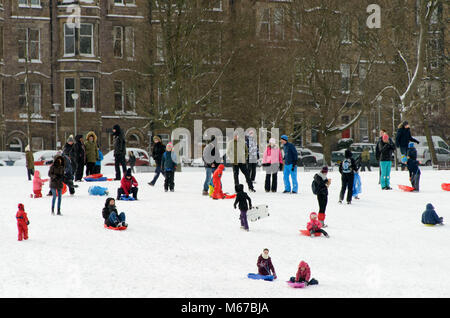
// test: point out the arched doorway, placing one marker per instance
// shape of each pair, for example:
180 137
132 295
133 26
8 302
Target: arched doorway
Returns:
16 144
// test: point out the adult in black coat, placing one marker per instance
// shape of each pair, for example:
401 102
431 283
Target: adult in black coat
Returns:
347 169
403 138
80 156
119 151
158 150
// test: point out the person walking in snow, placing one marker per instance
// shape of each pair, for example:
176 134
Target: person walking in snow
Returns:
158 150
272 159
264 264
347 169
119 151
290 165
303 275
384 156
22 222
242 198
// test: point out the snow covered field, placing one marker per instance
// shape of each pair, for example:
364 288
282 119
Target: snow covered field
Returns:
183 244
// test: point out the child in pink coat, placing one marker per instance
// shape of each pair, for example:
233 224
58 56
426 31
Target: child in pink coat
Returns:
37 184
315 226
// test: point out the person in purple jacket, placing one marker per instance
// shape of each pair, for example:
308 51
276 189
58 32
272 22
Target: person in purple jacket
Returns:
265 266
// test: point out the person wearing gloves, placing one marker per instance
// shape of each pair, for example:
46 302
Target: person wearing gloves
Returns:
242 198
303 275
290 166
265 266
128 185
22 222
430 216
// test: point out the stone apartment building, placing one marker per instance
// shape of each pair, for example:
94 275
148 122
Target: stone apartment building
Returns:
62 47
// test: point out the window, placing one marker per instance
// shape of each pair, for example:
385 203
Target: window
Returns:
118 40
314 136
29 45
87 92
69 89
362 76
278 24
214 5
345 75
363 129
34 98
118 96
22 97
28 3
69 40
131 100
264 25
86 39
346 29
129 42
159 47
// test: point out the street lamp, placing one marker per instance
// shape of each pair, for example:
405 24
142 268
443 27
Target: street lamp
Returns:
75 97
379 99
56 106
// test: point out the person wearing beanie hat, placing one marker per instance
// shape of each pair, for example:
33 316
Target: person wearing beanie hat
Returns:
128 185
347 168
29 162
119 151
241 199
22 222
320 189
384 155
158 150
169 166
272 160
430 216
403 138
290 165
264 264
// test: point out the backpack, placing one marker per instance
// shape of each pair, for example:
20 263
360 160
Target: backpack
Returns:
314 186
347 166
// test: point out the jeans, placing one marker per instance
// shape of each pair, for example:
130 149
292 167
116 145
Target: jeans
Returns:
30 173
385 167
293 175
54 191
207 178
115 219
158 171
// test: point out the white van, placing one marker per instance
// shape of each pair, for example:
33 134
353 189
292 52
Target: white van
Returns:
423 150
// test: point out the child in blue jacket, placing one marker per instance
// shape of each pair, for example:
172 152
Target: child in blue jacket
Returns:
169 166
430 216
413 167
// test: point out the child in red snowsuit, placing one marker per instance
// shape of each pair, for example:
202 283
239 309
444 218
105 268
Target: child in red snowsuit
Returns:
303 275
22 223
37 184
218 193
315 225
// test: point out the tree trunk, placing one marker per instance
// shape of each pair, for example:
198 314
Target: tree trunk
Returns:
427 131
325 140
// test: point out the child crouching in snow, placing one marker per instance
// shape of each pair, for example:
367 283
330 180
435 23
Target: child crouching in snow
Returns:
111 216
303 275
430 216
265 266
37 184
314 226
241 199
22 222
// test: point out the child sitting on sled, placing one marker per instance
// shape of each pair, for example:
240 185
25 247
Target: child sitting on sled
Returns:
22 222
315 226
303 275
265 266
241 199
111 216
128 185
430 216
37 184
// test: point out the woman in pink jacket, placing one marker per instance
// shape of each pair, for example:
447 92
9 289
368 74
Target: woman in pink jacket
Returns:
37 184
271 162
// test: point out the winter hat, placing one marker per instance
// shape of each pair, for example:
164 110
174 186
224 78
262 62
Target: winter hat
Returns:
348 154
284 137
70 139
405 123
128 174
169 146
21 207
411 145
239 188
157 138
385 137
272 141
324 169
27 148
117 128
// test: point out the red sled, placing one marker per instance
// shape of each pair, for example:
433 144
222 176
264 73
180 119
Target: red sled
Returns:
306 233
296 285
120 228
405 188
94 176
445 186
64 189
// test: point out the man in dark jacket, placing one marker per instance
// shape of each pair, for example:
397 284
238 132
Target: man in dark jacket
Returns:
241 200
80 157
403 138
347 169
384 156
158 150
119 151
430 216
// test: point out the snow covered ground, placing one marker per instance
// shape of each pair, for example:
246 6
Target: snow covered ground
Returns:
183 244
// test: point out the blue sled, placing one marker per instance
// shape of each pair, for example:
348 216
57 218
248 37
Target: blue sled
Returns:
96 179
263 277
124 198
96 190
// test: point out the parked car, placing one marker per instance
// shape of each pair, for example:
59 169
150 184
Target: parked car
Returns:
10 157
2 163
442 154
306 152
356 149
142 158
423 149
41 158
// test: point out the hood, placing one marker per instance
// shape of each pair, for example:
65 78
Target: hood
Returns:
311 215
221 167
21 207
303 264
78 138
411 145
37 174
430 206
118 130
91 133
107 202
59 157
348 154
239 188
